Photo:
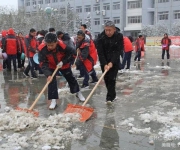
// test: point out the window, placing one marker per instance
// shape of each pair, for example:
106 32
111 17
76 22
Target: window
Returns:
48 1
28 3
96 7
87 8
116 5
163 1
34 13
33 2
54 1
96 21
62 10
28 14
40 2
79 9
135 4
106 6
116 20
177 14
106 19
163 15
96 34
134 19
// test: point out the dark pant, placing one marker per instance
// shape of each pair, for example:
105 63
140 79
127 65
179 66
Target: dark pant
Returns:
86 74
52 89
68 75
20 61
31 66
5 64
73 84
127 58
163 53
138 55
110 81
13 58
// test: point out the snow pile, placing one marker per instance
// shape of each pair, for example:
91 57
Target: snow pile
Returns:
170 134
126 122
55 131
140 131
156 116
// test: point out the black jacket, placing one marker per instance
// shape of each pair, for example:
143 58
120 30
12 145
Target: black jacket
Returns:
109 48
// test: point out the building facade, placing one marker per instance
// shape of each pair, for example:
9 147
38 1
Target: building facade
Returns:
128 15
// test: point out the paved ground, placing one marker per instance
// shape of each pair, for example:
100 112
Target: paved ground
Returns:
142 118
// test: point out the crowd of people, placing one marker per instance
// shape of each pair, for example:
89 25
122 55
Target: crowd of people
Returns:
58 49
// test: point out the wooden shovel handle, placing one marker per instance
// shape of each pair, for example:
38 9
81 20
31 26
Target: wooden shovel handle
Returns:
42 91
94 88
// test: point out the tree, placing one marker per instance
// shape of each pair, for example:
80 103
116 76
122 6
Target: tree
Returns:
21 21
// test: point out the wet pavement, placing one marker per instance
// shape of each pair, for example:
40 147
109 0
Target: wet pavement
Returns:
142 117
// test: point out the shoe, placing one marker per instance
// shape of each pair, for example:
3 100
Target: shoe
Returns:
85 86
111 101
94 82
26 75
41 74
33 77
80 77
53 104
121 71
80 96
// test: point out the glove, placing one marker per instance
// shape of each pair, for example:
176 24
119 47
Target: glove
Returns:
60 64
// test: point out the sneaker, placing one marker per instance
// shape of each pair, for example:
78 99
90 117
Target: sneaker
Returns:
85 86
80 96
121 71
108 102
93 82
53 104
80 77
33 77
41 74
111 101
26 75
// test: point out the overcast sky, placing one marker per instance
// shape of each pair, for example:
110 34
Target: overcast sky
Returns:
11 3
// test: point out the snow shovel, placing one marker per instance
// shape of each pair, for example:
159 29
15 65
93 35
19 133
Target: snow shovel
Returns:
85 112
30 110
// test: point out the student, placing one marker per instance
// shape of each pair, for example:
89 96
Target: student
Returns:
109 46
128 48
139 46
31 50
87 57
166 42
51 54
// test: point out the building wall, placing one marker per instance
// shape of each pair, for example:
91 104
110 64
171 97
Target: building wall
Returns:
149 12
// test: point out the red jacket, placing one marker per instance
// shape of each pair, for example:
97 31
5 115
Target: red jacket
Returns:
11 45
166 42
127 45
50 58
22 45
31 45
88 54
139 44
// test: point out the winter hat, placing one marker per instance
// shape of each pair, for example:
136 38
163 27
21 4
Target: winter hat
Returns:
11 31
